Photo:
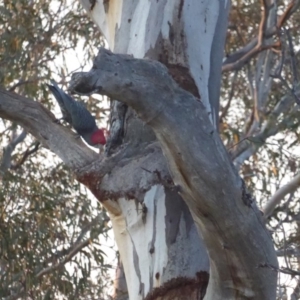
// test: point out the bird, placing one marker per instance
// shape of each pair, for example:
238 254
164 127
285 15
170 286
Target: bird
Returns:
78 117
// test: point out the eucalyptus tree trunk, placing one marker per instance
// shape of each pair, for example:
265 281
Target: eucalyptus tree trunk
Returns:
162 254
161 244
184 223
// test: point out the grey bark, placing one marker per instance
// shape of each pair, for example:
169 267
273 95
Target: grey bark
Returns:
188 38
42 124
240 249
117 176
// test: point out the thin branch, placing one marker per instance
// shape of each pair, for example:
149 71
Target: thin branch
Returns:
293 59
289 252
52 268
26 154
9 149
22 82
230 97
239 142
100 219
296 293
291 8
263 22
286 189
67 258
281 270
277 74
285 246
68 254
291 90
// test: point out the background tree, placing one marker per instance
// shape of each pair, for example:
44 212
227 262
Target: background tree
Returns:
262 62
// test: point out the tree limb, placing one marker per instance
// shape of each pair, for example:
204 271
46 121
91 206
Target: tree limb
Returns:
90 168
200 168
8 150
37 120
288 188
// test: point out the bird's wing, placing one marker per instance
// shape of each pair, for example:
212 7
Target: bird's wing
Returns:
82 120
75 112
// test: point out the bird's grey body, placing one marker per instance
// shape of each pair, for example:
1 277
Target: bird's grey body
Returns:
78 116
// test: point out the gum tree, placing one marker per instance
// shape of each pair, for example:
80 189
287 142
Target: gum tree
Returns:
183 219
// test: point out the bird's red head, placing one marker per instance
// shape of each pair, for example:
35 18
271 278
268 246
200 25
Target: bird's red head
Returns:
99 137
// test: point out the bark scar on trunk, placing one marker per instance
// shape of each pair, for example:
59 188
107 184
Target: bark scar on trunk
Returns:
181 288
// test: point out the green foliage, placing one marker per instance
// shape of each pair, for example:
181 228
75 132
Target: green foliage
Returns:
44 214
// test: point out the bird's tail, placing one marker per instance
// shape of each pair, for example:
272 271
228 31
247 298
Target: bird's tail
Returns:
61 98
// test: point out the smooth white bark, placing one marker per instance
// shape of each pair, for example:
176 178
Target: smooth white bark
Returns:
185 31
142 240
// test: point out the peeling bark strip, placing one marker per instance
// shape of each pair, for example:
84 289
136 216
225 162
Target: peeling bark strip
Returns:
235 236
